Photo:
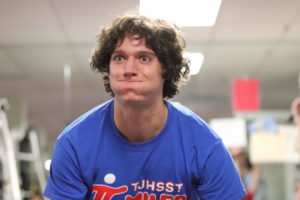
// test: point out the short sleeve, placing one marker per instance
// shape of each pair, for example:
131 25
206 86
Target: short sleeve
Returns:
65 181
219 178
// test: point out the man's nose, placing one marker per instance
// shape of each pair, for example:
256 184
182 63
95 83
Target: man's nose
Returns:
130 68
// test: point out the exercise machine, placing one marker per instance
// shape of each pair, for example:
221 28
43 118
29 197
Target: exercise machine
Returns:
11 183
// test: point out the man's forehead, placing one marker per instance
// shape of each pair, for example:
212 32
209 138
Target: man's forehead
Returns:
134 39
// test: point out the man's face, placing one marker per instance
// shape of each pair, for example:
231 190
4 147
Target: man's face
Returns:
135 72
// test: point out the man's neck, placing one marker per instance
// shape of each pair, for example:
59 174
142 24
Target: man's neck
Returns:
140 124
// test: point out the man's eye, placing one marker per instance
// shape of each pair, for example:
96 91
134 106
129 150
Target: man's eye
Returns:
145 58
118 58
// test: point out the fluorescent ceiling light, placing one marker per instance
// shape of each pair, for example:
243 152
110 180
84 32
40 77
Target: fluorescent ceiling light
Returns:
182 12
196 61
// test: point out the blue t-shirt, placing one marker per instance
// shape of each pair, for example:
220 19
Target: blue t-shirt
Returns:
185 161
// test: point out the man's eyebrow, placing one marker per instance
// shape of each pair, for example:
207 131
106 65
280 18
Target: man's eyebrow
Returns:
117 52
149 52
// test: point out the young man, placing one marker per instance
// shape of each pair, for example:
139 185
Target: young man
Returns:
139 145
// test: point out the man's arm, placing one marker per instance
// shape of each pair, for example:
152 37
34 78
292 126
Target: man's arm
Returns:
65 181
220 178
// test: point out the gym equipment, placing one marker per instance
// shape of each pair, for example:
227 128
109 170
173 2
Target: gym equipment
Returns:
11 186
12 159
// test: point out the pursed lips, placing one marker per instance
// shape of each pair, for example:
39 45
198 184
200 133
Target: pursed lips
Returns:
129 80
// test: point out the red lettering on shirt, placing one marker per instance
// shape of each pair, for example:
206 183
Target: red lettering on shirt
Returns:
103 192
141 196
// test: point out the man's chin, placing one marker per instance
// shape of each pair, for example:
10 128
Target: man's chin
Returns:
130 97
142 97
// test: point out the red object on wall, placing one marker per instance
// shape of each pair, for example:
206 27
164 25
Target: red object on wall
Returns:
245 95
249 196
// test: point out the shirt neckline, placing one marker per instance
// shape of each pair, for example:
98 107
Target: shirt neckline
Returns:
150 142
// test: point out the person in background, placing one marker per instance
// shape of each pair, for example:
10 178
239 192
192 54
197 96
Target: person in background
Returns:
250 174
139 144
295 110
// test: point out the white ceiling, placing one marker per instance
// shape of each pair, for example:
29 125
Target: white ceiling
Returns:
251 38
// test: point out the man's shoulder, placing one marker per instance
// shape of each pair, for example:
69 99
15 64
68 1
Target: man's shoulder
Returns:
184 112
194 126
88 120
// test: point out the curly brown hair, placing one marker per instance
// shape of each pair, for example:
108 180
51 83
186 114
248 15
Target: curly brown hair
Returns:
165 39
